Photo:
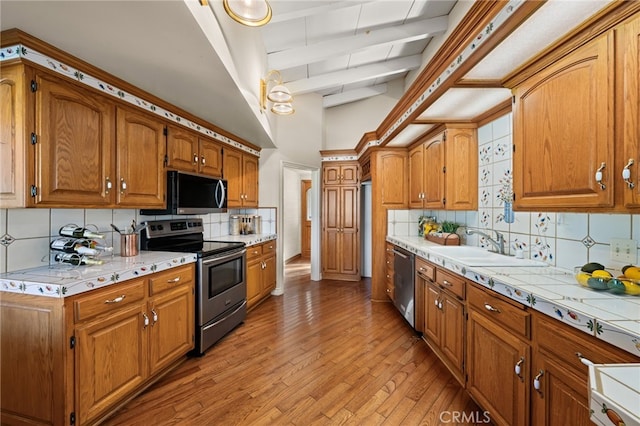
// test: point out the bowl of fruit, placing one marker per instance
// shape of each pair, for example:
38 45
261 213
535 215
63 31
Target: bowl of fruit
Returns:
596 277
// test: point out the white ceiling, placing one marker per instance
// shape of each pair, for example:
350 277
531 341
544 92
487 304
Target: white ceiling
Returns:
199 60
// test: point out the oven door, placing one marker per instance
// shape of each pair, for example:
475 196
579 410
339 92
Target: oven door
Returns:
222 285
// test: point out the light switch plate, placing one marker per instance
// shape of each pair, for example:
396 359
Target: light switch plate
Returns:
625 251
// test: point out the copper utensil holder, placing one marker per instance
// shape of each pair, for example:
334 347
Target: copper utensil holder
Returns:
128 245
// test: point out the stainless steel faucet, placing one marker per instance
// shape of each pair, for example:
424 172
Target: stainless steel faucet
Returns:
498 243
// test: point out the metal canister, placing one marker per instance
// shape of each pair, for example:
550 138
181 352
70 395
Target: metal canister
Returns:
234 225
257 224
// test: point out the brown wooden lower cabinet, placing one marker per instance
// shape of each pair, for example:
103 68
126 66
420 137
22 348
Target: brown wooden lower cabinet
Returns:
261 272
75 360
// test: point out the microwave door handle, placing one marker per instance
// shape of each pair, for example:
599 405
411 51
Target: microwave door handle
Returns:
220 191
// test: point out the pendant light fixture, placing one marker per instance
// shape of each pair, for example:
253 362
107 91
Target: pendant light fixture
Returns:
253 13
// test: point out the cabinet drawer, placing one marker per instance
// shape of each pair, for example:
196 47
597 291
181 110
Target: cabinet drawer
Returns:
426 269
500 310
171 278
564 342
269 248
254 251
451 282
109 299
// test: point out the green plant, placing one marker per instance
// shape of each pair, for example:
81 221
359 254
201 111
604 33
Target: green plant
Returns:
449 227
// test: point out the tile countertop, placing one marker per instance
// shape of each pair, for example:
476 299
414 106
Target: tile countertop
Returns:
249 239
621 380
552 291
63 280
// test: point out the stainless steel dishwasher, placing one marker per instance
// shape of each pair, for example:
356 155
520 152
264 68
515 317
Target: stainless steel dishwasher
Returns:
403 265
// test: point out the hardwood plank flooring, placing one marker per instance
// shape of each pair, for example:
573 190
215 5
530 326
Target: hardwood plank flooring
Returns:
321 354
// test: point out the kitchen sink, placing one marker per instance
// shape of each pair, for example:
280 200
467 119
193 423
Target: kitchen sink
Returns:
476 256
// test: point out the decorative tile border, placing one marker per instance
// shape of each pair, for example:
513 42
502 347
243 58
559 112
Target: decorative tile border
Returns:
22 52
340 158
496 23
70 281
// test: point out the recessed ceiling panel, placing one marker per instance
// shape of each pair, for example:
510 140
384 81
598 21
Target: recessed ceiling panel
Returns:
553 20
465 104
338 23
384 12
330 65
284 35
408 49
368 56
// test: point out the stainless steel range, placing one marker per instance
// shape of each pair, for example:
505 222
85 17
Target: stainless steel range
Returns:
221 288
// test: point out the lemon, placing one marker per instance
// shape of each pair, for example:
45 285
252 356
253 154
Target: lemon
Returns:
632 272
582 278
631 287
600 273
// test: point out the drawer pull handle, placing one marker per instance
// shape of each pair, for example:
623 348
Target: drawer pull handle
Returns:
518 368
116 300
490 308
598 176
155 316
447 283
146 320
584 360
174 281
626 174
536 381
440 304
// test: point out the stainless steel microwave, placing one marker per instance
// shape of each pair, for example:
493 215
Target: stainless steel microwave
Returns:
190 194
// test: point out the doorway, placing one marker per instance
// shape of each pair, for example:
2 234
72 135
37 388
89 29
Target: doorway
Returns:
305 219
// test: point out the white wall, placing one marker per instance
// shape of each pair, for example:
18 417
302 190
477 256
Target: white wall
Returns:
345 124
292 211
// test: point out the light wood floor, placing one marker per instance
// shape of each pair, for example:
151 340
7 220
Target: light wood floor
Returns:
321 354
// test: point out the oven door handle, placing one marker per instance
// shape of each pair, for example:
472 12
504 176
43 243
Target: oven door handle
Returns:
224 258
242 305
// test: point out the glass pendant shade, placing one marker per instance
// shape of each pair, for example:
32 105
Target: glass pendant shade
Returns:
253 13
280 94
284 108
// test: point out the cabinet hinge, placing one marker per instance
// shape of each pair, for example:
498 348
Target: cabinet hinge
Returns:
72 342
166 160
34 190
34 138
514 196
34 86
513 99
444 201
72 418
165 131
444 136
444 169
514 148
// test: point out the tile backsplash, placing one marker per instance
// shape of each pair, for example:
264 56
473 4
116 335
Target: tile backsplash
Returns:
564 240
25 234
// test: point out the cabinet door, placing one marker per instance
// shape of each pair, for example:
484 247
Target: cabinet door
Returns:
74 155
492 353
269 275
461 169
254 281
391 179
182 149
172 330
232 172
332 219
628 49
432 316
434 182
331 174
141 150
12 136
349 174
562 398
250 180
349 248
416 177
111 361
563 132
210 158
452 332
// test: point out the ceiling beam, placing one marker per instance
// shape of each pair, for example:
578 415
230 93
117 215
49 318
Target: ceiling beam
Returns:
355 75
309 11
353 95
316 52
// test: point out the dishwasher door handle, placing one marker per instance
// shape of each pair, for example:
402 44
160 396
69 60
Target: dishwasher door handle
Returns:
402 255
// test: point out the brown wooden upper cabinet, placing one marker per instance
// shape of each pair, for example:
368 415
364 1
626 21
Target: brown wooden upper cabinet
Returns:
90 153
190 152
241 172
443 170
340 174
576 127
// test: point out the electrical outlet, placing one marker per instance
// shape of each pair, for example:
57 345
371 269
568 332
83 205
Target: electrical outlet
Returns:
625 251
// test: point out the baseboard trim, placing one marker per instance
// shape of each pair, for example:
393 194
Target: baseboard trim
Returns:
293 258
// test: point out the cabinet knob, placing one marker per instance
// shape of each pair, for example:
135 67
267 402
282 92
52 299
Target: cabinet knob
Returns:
626 174
202 160
195 158
109 185
123 185
536 381
518 368
446 283
598 176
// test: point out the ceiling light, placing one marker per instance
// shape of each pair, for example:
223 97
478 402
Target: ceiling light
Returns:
279 94
253 13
